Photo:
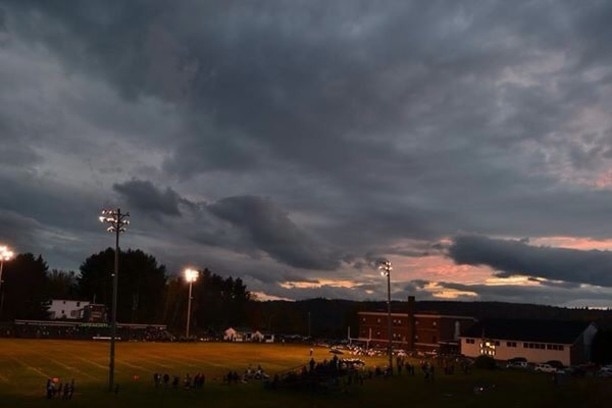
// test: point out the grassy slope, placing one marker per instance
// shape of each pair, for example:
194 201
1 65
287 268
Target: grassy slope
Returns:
26 364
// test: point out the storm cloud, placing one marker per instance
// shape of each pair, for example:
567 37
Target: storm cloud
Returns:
297 141
272 230
516 257
144 196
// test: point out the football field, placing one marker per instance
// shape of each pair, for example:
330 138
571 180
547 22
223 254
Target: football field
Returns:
26 366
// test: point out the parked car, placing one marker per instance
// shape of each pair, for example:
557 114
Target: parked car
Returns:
556 363
605 371
517 364
582 370
545 368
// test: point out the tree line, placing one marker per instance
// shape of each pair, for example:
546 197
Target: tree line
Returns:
146 292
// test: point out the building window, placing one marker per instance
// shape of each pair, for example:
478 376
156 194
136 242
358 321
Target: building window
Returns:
470 341
363 319
487 348
378 320
511 344
497 343
434 323
78 304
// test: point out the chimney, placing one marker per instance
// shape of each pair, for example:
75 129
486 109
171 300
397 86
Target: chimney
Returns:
410 305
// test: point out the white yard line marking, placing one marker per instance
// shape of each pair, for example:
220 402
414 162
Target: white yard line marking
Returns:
74 369
172 360
133 365
29 367
93 363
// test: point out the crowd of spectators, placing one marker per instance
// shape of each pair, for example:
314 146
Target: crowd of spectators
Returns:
83 331
334 373
189 381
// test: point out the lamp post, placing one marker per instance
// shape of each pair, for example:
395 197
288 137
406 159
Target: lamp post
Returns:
191 275
5 255
385 270
117 222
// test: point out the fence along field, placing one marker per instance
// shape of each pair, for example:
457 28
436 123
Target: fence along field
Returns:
25 366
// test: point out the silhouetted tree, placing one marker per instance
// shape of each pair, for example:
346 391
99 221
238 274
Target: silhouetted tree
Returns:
218 302
24 287
602 347
141 284
61 284
175 304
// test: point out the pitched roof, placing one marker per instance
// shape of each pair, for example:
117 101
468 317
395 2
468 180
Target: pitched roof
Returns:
549 331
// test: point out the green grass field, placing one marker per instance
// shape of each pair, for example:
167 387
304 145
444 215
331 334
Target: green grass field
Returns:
25 366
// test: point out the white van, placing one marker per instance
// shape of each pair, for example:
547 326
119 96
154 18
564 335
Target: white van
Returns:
517 364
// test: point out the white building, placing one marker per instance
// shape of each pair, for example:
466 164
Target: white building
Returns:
535 340
242 335
67 309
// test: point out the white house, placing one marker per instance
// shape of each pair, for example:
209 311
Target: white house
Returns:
255 336
536 340
66 309
240 335
231 334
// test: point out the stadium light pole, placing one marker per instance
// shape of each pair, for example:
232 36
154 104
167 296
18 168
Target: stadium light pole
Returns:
385 270
191 275
117 221
5 255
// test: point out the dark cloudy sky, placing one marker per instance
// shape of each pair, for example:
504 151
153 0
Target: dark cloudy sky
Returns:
294 143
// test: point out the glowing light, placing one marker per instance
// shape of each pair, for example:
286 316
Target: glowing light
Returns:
5 253
191 275
385 268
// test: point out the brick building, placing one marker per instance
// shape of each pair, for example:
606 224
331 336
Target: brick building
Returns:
411 331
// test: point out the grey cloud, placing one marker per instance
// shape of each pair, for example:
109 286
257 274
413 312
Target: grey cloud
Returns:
514 257
414 286
558 295
556 284
250 225
325 291
273 232
18 231
144 196
377 128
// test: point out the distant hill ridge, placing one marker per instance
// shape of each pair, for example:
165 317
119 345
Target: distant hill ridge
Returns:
329 317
